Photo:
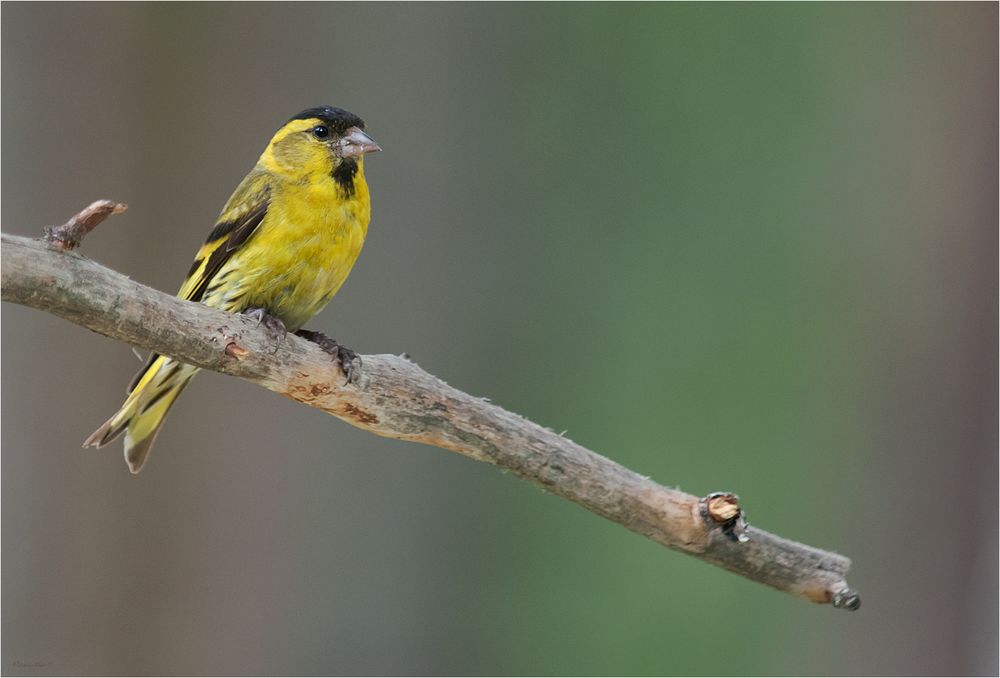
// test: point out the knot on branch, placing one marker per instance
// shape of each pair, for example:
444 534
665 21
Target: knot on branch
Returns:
722 510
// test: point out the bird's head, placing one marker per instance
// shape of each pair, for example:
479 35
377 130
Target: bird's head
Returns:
324 140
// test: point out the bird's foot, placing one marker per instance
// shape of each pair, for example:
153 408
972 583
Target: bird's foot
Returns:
275 328
350 362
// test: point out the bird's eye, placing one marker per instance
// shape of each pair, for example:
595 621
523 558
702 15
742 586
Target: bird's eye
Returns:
321 131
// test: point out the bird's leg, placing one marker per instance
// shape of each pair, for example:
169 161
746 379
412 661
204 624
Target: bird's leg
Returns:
275 328
350 362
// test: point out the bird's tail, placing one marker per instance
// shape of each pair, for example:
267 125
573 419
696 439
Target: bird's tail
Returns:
153 390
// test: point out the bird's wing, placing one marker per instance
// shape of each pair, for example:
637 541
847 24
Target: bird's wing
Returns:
239 220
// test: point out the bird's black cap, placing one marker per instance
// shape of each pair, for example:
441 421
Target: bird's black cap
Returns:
338 119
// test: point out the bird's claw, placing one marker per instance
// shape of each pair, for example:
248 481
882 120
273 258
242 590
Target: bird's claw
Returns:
274 326
350 362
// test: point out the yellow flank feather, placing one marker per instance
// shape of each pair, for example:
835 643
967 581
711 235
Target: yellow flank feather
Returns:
284 244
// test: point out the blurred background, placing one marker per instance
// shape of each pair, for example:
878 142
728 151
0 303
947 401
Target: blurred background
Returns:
746 247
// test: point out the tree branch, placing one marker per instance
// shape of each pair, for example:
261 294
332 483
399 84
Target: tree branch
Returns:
397 399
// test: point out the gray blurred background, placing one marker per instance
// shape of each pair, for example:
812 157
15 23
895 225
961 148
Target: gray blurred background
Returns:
748 247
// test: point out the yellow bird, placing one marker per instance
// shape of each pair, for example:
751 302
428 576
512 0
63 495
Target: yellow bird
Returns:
282 247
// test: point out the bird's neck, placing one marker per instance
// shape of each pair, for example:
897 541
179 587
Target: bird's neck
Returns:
348 175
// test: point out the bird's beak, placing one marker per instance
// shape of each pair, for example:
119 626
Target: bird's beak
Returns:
354 144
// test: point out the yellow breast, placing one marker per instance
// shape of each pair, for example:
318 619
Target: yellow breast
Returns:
302 252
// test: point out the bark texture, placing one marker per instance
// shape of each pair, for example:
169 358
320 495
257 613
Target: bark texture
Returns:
397 399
